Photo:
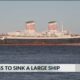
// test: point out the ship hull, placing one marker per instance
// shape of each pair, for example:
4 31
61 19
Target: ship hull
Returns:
45 42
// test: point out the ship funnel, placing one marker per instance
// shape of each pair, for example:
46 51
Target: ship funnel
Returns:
30 26
52 26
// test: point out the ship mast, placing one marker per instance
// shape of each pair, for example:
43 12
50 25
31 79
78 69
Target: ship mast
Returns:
62 28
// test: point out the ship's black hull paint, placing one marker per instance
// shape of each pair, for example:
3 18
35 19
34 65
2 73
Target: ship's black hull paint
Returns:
40 41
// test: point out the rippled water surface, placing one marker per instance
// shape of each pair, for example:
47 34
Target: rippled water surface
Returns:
40 55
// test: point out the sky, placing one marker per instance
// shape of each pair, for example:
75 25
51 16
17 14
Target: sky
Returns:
14 14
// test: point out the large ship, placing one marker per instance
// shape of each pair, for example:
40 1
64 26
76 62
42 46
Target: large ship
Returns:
30 36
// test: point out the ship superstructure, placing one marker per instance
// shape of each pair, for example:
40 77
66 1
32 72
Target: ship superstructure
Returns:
30 31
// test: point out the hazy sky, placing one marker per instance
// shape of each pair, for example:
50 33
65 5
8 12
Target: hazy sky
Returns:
14 14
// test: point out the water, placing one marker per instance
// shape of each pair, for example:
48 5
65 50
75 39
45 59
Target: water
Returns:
39 55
